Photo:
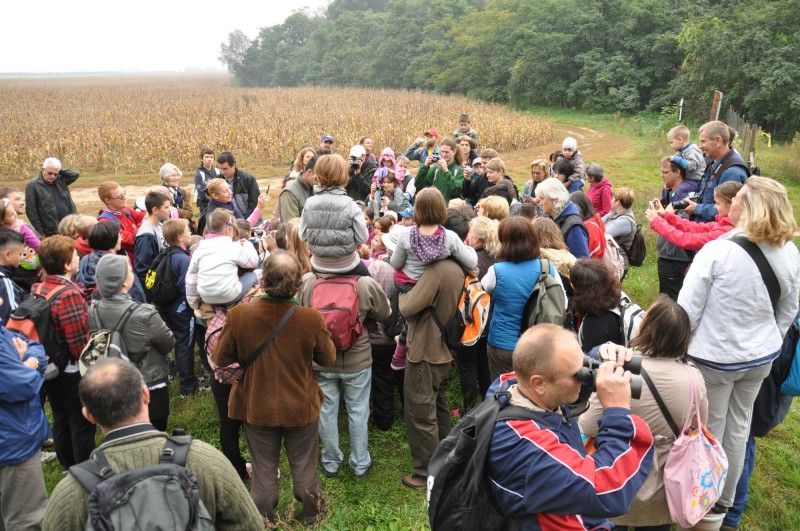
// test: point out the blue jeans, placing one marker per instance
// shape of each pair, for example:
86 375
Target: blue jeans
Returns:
734 515
356 398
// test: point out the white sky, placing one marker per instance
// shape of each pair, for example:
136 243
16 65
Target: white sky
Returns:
41 36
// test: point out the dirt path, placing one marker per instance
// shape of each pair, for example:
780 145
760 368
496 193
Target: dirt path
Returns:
593 144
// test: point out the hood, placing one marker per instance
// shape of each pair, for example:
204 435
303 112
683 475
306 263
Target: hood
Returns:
605 183
569 210
386 154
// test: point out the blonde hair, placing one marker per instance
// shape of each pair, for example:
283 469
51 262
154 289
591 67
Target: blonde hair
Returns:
494 207
549 234
766 212
220 219
173 229
542 164
456 202
215 186
496 164
331 170
625 196
66 227
679 131
295 245
485 230
298 165
83 224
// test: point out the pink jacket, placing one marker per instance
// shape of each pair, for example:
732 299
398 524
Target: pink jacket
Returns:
600 196
690 235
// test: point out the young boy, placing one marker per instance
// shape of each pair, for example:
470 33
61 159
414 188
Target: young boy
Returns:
687 155
178 316
150 238
205 172
11 244
465 129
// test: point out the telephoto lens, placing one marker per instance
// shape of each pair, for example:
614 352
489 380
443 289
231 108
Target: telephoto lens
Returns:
588 374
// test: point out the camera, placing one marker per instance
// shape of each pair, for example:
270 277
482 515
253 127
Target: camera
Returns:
683 203
588 373
258 233
355 163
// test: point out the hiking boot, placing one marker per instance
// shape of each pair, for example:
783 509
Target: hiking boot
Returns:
416 482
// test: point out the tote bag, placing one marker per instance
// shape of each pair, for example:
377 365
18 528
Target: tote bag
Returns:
696 467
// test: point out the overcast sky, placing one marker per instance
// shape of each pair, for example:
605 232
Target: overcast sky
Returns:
147 35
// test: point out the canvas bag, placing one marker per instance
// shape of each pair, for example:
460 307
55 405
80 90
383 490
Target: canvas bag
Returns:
696 467
612 257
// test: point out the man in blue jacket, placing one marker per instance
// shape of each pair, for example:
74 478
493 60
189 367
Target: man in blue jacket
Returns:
22 492
727 165
538 469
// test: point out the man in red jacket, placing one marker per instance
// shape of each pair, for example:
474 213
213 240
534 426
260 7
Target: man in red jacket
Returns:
113 196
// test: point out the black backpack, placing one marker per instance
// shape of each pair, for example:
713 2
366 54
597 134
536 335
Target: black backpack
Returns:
161 289
33 320
162 496
459 493
638 248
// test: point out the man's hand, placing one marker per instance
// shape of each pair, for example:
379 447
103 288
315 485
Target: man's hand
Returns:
22 348
613 386
429 161
616 353
690 209
33 363
442 164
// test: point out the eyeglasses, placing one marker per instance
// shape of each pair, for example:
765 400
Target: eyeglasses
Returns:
120 196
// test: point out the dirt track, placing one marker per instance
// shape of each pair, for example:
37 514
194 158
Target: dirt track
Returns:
595 145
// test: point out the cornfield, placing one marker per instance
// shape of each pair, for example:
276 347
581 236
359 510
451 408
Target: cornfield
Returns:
134 125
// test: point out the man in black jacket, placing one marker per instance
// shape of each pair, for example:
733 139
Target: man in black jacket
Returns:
360 170
47 197
243 185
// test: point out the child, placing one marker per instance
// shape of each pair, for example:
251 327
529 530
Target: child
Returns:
382 225
465 130
332 223
10 221
569 152
213 276
377 249
424 243
403 176
104 238
562 169
149 240
687 155
386 166
11 244
83 224
369 219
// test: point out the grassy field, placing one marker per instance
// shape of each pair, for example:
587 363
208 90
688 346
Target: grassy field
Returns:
380 501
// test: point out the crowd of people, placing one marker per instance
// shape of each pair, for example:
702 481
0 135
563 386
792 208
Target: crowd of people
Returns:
342 295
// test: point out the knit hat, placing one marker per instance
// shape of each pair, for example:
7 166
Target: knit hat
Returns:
570 143
111 272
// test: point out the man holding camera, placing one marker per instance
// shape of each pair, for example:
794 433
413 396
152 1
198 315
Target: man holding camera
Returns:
360 170
539 471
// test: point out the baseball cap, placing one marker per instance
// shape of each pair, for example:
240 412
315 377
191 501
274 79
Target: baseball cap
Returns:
357 150
327 137
407 213
432 132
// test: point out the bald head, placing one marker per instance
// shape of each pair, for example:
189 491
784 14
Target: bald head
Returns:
111 392
281 275
535 350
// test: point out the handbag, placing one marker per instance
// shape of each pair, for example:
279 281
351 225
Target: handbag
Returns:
233 373
696 467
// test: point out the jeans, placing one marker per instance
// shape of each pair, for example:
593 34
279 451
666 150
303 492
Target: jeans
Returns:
735 512
356 398
181 323
228 428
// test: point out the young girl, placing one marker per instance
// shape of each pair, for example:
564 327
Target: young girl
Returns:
377 248
387 195
213 275
424 243
10 221
332 223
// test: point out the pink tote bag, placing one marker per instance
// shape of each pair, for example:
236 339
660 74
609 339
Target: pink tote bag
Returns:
696 467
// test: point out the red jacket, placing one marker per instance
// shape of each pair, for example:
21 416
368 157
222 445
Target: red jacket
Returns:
129 221
597 236
600 196
690 235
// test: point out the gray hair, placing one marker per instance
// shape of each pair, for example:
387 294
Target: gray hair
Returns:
554 189
166 169
52 162
111 390
595 170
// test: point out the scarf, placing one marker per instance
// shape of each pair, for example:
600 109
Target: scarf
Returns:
212 204
427 248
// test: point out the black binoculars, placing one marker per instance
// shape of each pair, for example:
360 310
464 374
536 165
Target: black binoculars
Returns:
588 373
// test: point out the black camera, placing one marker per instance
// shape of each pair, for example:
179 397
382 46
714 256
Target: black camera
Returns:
683 203
354 164
434 159
258 233
588 373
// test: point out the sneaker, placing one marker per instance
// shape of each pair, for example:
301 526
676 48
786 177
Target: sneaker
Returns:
48 443
330 474
416 482
203 388
48 456
248 469
365 473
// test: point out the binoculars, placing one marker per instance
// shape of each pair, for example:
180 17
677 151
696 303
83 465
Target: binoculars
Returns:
588 373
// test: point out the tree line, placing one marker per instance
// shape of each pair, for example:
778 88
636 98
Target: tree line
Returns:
611 55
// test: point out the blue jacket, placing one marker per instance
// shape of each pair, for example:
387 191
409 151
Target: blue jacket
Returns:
540 473
705 210
24 423
179 265
577 238
10 292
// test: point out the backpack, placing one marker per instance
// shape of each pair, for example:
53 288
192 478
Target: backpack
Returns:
104 342
453 330
459 493
630 315
158 283
337 300
613 257
162 496
33 320
638 248
474 306
546 303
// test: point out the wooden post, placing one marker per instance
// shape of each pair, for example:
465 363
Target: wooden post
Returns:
715 107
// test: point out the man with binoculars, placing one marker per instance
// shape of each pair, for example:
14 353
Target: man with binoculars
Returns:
539 471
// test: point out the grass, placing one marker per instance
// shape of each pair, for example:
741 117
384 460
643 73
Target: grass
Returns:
381 502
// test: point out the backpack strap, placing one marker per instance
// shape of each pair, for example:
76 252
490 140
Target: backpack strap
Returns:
661 405
91 473
123 320
52 294
767 273
176 450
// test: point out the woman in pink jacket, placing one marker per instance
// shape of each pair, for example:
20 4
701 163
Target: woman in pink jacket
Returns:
599 191
691 235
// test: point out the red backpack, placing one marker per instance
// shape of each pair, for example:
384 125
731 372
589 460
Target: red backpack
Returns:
337 300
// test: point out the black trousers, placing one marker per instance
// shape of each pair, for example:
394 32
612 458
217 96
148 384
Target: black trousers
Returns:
670 276
384 381
473 373
73 435
228 428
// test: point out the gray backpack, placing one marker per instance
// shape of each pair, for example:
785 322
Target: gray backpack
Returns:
159 497
546 303
104 342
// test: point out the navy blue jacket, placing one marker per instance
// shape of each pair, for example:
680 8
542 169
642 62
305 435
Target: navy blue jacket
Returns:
705 210
10 292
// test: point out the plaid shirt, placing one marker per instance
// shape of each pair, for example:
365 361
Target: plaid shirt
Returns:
69 312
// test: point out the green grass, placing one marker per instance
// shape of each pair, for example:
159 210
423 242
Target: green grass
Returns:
380 501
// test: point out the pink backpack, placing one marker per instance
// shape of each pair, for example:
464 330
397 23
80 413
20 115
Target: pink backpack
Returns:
696 467
337 300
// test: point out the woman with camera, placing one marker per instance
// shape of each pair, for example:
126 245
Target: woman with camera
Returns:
662 341
692 235
738 320
387 196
